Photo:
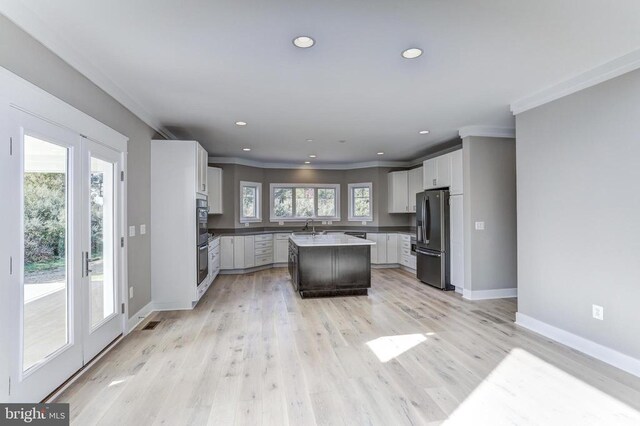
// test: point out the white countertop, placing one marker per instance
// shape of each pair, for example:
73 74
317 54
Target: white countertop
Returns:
329 240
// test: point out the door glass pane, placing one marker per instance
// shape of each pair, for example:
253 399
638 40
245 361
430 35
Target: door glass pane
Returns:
46 283
102 239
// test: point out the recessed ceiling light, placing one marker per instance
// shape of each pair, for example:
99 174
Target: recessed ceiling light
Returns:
241 123
381 153
312 156
423 132
309 140
303 42
246 149
307 162
412 53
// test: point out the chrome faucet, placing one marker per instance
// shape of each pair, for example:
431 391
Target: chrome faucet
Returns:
313 226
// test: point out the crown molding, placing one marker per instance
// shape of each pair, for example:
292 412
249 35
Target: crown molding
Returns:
597 75
20 14
325 166
487 131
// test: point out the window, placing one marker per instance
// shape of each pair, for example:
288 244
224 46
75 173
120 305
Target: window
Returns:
299 202
360 202
250 196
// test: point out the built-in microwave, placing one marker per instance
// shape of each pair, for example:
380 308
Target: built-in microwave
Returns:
202 216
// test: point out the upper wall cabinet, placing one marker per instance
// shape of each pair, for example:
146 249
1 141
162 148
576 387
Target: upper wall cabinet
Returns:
415 186
214 189
398 187
403 187
444 171
202 162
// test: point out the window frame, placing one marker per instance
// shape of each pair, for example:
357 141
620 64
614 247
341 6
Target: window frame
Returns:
351 188
258 188
293 186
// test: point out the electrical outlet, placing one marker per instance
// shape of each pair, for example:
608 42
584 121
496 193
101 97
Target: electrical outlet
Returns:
598 312
143 229
479 226
132 231
130 292
329 222
324 222
364 222
281 222
246 224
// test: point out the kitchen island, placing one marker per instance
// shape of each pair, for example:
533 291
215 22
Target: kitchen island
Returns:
330 265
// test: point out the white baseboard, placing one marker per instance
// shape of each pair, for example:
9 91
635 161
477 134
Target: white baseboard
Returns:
610 356
503 293
459 290
139 316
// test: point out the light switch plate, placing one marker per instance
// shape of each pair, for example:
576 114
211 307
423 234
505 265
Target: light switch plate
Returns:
143 229
281 222
324 222
329 222
479 226
246 224
364 222
132 231
130 292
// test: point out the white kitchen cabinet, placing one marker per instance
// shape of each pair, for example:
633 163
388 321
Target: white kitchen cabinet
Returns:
456 186
437 172
214 189
226 252
263 249
282 248
398 190
385 251
415 177
202 159
456 226
392 248
429 173
238 252
405 257
249 252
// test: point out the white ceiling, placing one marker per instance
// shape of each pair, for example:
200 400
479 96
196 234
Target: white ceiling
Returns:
196 67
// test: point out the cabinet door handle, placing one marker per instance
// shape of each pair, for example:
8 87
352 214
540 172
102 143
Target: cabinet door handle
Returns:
435 182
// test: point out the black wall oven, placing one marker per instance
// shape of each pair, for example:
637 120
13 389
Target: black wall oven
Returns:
202 215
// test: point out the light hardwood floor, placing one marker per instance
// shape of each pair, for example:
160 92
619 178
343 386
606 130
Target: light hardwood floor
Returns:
252 352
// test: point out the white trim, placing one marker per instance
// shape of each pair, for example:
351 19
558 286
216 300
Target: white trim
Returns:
502 293
138 317
258 187
459 290
612 69
327 166
334 186
603 353
350 188
18 12
487 131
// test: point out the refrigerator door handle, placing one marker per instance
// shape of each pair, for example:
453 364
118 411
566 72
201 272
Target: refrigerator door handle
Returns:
423 237
427 223
426 253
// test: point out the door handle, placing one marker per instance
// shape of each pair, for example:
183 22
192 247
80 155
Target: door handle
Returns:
86 262
428 254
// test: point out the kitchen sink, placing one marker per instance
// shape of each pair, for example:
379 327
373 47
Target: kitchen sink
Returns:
308 233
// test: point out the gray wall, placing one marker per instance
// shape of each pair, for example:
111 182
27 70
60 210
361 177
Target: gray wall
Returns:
490 196
24 56
578 209
234 174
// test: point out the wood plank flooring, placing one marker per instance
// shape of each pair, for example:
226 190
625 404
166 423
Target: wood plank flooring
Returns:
254 353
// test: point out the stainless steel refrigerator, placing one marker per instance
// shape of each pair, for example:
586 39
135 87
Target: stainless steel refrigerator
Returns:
432 238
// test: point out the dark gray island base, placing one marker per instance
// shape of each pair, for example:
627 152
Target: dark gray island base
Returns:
328 265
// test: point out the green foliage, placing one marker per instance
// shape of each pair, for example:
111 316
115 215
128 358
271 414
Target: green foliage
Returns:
44 216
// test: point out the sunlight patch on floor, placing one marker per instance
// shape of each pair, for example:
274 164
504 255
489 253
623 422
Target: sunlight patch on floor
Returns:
387 348
524 389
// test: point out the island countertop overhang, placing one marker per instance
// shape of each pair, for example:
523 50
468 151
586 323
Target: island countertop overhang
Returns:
329 241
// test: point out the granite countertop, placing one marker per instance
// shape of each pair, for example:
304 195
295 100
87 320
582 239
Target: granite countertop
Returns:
329 240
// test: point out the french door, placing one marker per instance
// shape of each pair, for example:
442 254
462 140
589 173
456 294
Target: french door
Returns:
65 295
